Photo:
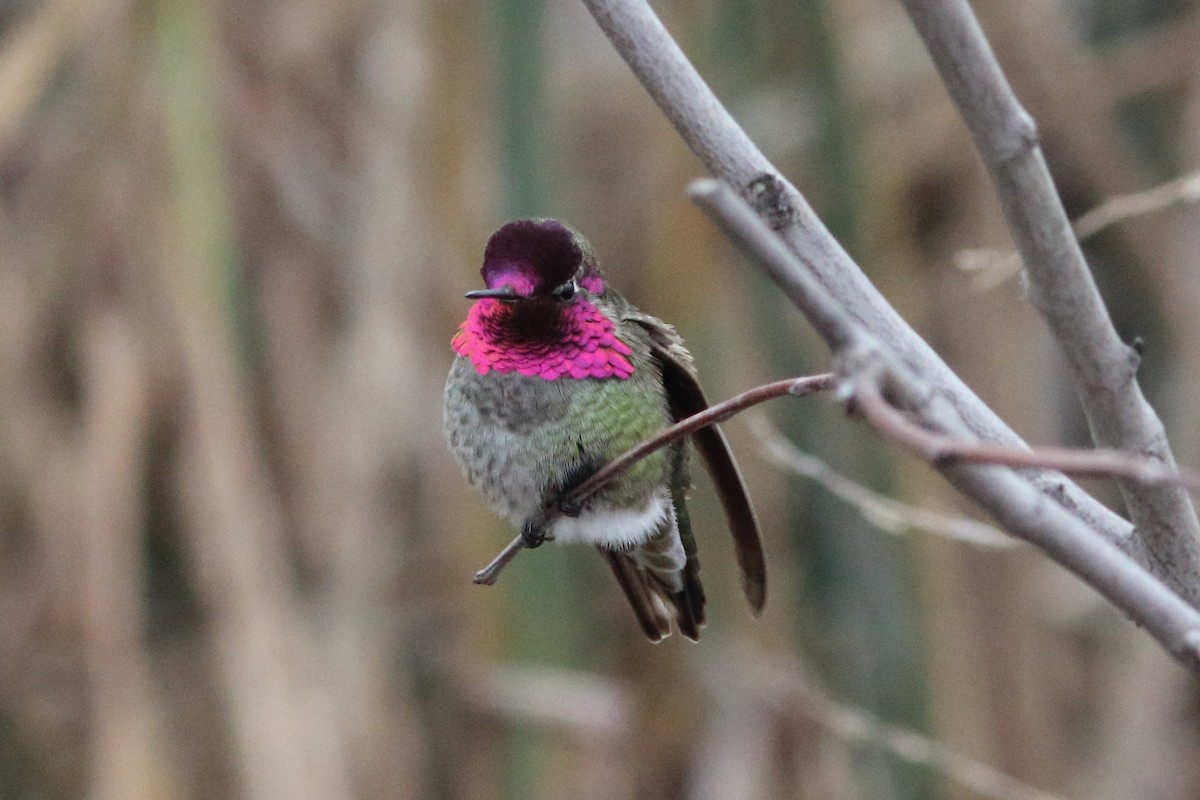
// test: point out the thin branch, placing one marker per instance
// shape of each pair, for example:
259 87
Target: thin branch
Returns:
715 137
488 575
865 366
856 725
941 449
795 387
767 693
1061 288
883 512
993 266
1180 191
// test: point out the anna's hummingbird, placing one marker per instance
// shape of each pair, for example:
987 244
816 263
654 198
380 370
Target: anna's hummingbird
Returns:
556 375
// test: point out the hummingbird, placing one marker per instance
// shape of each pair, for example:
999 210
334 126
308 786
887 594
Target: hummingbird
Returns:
555 375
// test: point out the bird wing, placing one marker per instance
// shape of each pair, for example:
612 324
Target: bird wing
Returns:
686 398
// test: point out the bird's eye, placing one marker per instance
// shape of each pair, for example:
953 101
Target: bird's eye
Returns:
566 291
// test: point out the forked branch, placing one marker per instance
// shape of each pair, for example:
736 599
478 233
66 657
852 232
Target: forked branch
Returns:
1103 368
640 38
868 370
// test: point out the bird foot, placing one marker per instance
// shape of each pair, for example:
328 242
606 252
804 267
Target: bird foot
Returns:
532 534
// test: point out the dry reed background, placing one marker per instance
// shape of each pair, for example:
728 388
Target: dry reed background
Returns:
235 556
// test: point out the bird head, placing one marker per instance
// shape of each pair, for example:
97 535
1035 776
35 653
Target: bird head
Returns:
538 259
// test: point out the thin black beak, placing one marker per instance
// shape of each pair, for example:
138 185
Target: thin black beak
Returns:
500 293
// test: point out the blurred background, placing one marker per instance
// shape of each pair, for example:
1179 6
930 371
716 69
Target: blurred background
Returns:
235 558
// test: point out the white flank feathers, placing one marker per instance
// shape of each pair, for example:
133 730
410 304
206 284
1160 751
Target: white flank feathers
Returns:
616 528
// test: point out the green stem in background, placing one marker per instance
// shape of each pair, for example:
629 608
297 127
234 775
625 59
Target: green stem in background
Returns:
190 74
520 105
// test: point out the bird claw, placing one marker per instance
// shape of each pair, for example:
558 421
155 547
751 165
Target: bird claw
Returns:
533 535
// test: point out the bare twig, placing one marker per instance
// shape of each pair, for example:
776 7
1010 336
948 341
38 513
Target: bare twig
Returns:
488 575
941 449
1118 209
884 512
864 364
856 725
1061 288
796 387
713 135
992 266
759 693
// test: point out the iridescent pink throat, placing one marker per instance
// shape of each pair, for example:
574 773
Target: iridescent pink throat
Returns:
585 347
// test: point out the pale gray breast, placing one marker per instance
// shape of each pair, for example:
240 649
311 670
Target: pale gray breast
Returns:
497 425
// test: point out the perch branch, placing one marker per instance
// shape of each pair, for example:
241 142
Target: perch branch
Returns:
1061 288
715 137
796 387
865 366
